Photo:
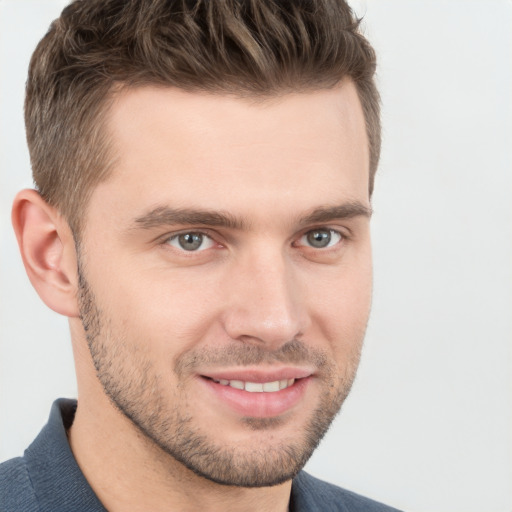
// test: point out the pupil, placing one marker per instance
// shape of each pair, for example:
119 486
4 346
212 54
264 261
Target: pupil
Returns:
190 241
319 238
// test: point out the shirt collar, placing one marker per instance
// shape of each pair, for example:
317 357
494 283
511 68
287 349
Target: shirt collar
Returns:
58 483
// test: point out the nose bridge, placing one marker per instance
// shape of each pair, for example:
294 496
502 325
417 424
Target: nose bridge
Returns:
264 301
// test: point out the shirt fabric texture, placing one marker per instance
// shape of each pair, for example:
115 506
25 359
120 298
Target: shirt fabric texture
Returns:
47 479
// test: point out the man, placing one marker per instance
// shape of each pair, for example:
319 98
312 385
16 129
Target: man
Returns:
204 173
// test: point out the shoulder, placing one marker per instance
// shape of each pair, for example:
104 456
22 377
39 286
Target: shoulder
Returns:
311 494
16 491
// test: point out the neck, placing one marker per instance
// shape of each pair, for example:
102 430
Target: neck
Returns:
128 472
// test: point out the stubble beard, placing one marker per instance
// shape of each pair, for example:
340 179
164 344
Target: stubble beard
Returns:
137 392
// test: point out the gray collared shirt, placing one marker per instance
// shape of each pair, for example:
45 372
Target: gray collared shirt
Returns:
47 479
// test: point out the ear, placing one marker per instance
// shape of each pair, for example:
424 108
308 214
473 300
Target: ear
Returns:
48 251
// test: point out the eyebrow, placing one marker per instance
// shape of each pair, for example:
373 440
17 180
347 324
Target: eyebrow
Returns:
347 210
166 216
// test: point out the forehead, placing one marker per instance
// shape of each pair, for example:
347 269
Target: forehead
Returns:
205 150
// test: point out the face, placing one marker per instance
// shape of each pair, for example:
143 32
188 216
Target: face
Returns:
225 274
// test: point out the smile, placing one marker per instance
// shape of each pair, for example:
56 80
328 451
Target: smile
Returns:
257 387
257 396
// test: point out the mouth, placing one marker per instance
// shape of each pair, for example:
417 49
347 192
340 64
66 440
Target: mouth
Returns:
257 394
256 387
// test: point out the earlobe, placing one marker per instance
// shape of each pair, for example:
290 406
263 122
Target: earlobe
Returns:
48 251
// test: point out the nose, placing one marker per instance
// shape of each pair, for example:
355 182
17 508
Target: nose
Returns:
264 303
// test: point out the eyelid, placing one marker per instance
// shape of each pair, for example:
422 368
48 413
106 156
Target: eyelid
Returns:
200 231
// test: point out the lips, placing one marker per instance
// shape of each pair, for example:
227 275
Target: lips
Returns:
255 393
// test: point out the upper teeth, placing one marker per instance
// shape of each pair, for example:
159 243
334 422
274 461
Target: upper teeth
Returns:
257 387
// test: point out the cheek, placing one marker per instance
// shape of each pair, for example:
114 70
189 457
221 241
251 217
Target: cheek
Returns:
167 313
342 309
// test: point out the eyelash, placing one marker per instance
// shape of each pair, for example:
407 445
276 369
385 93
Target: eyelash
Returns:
341 237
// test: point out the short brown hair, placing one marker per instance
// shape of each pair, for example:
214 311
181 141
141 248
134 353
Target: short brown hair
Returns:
240 47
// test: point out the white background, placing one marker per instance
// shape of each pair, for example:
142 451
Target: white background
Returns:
428 427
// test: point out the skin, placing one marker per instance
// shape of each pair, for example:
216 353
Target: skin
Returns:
150 321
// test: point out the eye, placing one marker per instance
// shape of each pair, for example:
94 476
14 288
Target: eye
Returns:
191 242
321 238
